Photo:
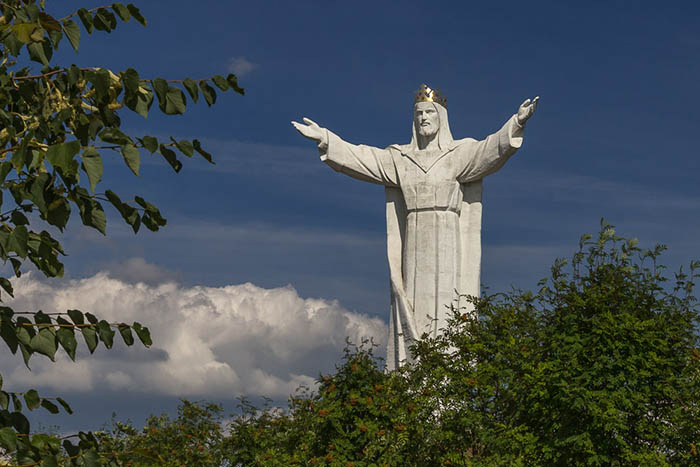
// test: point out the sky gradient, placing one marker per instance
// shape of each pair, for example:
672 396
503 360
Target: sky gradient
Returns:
614 137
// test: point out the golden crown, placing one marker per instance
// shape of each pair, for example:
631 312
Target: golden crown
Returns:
426 94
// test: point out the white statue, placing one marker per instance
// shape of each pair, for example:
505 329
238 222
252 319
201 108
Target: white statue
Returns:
433 200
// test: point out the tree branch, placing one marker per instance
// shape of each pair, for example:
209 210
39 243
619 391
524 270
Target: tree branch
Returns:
75 13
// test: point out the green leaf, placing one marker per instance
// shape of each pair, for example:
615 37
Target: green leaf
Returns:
16 402
92 165
220 82
65 405
26 354
90 458
18 218
42 318
37 191
61 157
90 336
56 37
171 100
4 400
126 334
50 406
8 439
122 11
76 316
31 398
106 333
140 100
86 18
129 213
233 81
131 81
66 337
170 156
150 143
208 92
105 20
49 460
184 146
115 136
6 286
13 44
191 87
8 331
132 157
48 22
152 212
20 422
143 333
16 266
37 52
175 101
5 169
40 441
160 87
24 31
72 32
59 213
92 213
44 342
17 241
74 74
91 318
102 82
136 14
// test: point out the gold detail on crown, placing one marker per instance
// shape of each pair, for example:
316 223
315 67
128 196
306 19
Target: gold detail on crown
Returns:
426 94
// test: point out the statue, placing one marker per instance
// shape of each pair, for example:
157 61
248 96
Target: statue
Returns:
433 210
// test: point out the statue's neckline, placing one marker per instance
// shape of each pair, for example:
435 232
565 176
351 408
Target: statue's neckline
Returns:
425 160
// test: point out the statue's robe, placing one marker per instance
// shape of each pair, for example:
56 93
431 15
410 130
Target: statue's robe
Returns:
433 222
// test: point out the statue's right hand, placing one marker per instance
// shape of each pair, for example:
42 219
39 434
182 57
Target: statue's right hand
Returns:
311 130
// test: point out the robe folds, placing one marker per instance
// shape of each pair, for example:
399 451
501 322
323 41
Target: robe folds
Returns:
433 212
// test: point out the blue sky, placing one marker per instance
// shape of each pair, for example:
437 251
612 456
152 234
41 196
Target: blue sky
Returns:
614 136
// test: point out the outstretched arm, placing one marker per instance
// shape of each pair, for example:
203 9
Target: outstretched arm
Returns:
482 158
358 161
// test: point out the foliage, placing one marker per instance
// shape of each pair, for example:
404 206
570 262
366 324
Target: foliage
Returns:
57 122
600 367
195 437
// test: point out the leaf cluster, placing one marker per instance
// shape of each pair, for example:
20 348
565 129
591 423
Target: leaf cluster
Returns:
195 437
600 367
57 123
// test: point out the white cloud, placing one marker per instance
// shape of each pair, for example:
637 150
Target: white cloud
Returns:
208 342
241 66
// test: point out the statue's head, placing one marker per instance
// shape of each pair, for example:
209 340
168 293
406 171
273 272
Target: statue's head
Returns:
426 118
430 117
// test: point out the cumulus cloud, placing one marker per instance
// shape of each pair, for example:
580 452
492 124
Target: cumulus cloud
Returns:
135 270
241 66
208 342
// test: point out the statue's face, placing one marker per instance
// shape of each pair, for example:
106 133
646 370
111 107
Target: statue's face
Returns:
426 118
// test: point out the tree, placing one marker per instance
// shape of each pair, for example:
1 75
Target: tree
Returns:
600 367
195 437
56 122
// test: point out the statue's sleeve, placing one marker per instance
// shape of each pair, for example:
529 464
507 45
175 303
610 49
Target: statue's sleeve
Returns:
359 161
482 158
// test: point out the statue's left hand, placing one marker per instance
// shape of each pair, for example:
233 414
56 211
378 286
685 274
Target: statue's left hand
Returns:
527 108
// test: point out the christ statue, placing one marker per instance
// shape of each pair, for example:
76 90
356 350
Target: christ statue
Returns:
433 191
